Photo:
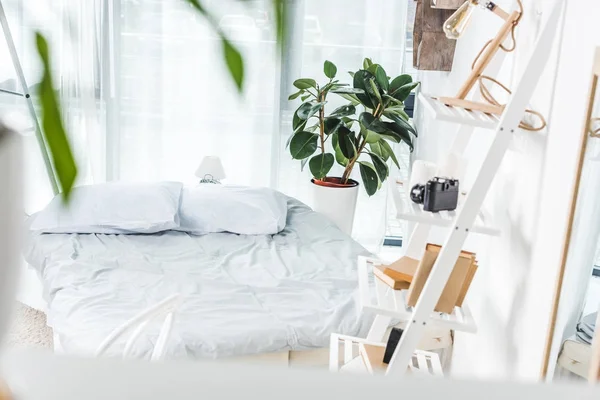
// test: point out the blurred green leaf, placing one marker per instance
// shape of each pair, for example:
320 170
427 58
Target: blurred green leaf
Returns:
52 125
303 144
367 63
234 62
321 164
329 69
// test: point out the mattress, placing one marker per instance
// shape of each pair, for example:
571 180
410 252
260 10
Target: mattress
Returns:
242 295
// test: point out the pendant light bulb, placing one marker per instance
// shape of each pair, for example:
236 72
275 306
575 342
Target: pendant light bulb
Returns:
455 26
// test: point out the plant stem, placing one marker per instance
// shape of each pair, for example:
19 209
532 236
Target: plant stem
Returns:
322 123
377 114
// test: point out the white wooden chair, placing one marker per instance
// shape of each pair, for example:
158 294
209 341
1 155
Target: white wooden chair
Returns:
135 326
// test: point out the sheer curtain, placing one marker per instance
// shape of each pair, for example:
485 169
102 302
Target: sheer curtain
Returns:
147 96
69 26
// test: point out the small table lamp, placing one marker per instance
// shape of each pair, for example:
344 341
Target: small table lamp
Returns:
210 170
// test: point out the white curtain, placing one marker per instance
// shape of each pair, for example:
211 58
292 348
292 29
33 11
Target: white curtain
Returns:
147 95
69 28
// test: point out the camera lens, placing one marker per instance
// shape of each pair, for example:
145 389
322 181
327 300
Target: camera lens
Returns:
417 193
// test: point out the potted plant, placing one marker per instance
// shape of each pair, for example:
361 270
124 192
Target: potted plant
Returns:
354 134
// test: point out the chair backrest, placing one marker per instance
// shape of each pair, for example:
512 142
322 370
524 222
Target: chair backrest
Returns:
136 325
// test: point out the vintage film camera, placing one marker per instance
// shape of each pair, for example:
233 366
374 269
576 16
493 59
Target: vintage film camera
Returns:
439 194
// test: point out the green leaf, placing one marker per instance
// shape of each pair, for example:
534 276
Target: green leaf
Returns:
403 92
346 142
347 90
397 110
400 121
381 77
305 83
332 125
361 82
370 136
380 166
401 132
303 144
295 95
351 74
387 149
367 120
369 177
53 128
330 69
367 63
351 98
234 61
339 156
391 99
376 148
298 123
374 90
399 81
343 111
312 128
308 109
306 96
321 164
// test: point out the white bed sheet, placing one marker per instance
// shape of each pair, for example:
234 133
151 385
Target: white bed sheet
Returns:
241 294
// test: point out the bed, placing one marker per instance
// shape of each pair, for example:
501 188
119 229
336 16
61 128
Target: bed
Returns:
243 295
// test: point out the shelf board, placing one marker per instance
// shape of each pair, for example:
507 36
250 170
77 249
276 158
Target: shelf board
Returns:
459 115
378 298
407 210
363 357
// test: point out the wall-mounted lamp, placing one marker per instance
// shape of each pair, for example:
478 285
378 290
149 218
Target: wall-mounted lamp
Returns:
456 25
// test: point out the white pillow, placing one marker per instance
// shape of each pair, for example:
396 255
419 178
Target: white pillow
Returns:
209 208
114 207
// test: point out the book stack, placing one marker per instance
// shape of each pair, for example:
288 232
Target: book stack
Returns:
411 274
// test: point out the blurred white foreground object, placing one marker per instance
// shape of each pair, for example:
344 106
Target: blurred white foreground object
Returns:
136 325
11 216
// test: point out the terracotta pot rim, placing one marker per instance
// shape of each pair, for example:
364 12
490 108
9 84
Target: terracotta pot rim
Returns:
327 182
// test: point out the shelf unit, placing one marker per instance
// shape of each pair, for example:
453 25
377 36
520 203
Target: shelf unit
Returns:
345 356
388 304
409 211
378 298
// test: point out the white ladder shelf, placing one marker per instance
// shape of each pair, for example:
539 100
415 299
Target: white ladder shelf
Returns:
388 304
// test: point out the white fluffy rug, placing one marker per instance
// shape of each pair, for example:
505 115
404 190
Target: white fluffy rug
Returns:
29 329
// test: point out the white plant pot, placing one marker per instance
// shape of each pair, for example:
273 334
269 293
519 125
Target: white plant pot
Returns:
336 203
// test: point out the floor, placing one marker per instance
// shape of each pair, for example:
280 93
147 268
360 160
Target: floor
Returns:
29 329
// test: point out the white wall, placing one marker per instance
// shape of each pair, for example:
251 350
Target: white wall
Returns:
512 291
